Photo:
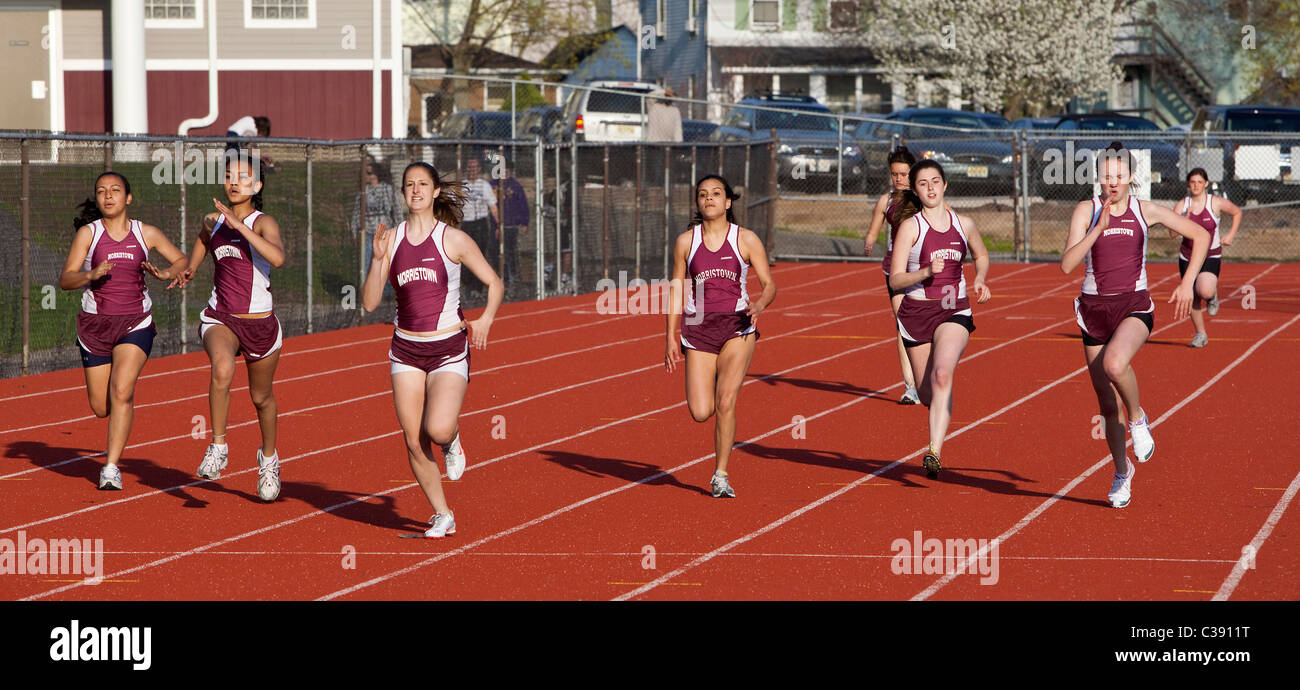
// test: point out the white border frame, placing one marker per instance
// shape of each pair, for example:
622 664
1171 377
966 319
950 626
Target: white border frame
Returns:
195 23
308 23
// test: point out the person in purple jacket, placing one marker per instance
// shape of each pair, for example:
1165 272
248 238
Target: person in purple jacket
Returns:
109 258
711 263
515 219
245 244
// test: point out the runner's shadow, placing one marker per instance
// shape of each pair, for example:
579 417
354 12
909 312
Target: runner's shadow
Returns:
134 470
627 470
830 386
376 511
911 474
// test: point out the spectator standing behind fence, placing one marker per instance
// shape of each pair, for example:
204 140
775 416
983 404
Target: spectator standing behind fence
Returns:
515 217
384 205
249 127
480 210
663 120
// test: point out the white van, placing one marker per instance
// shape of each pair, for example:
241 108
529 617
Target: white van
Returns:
612 115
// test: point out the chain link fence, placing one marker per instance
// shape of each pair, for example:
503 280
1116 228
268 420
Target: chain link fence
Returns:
574 214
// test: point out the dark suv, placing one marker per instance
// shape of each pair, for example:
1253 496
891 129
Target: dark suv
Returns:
1092 132
1233 128
809 137
963 142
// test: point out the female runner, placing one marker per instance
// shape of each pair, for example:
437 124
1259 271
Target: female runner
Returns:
115 331
1115 312
1207 283
900 164
245 244
429 354
720 326
935 319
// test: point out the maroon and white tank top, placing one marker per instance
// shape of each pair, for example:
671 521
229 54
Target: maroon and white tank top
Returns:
720 274
426 282
1207 220
241 279
931 244
1117 263
121 291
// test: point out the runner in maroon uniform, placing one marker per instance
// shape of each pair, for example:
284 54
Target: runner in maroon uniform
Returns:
1207 283
429 354
1115 311
720 326
935 319
900 164
109 257
245 244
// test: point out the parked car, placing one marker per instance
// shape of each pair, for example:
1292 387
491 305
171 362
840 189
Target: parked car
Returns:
994 120
611 114
854 122
971 156
475 124
1100 129
538 121
697 130
1233 127
809 150
1035 123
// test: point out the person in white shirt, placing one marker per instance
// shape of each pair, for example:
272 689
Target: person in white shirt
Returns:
480 205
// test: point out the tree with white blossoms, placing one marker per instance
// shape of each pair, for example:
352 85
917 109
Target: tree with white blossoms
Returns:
1009 56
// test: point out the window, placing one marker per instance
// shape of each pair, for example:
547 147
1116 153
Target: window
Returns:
661 18
844 14
173 14
279 14
692 16
766 12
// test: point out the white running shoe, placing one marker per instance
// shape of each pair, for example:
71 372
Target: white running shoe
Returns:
1121 489
214 460
1143 445
1212 305
721 486
268 476
1200 340
454 455
110 478
440 525
910 397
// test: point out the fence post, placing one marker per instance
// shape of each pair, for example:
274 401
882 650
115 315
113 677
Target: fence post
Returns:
636 222
574 216
668 208
361 232
310 282
1018 199
539 223
108 155
604 222
26 290
772 147
694 155
839 160
185 335
744 208
1026 189
501 213
559 224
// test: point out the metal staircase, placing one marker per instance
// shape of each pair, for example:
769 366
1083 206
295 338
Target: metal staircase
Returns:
1177 87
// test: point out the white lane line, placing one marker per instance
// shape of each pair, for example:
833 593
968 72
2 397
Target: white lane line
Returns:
484 371
372 395
668 472
1048 503
1251 552
294 353
410 485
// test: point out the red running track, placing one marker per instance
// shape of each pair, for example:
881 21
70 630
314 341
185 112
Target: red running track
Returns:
587 479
